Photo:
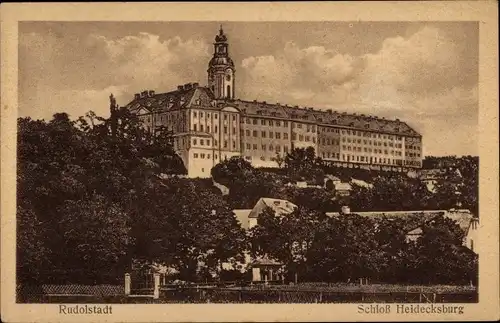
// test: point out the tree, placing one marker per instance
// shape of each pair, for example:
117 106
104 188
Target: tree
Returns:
302 163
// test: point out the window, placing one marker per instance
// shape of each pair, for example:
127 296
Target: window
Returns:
254 121
247 120
262 158
225 116
234 130
208 156
307 138
313 128
314 140
299 126
270 122
195 127
201 114
247 133
215 142
271 134
234 144
271 147
194 141
225 129
263 122
255 133
201 127
278 124
202 156
216 156
285 135
234 117
208 128
285 149
201 142
248 146
208 142
301 138
308 129
225 143
278 148
195 155
255 146
215 116
194 114
263 147
263 134
285 123
278 135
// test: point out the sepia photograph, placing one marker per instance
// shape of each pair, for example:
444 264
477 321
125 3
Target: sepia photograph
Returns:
226 161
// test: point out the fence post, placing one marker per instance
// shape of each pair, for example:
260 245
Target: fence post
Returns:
127 284
156 292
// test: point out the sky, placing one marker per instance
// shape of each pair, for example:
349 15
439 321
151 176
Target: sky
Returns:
425 73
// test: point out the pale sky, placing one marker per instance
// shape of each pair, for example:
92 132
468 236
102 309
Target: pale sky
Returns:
423 73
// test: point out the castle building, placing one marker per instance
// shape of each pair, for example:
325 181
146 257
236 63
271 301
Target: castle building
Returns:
210 124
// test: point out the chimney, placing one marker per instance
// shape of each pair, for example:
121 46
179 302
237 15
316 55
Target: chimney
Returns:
188 86
329 110
195 85
346 210
144 94
137 96
179 87
151 93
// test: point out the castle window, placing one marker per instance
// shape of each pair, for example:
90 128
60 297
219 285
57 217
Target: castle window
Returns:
195 127
234 130
263 133
278 124
254 121
201 127
263 147
255 146
215 115
215 143
270 122
255 133
225 143
248 146
278 135
202 142
195 155
208 128
234 144
215 129
271 134
208 156
194 141
263 122
247 133
285 135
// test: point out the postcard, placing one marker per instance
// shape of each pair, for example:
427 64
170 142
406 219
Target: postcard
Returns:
227 162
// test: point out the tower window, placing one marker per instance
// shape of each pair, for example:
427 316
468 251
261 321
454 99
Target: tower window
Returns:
229 91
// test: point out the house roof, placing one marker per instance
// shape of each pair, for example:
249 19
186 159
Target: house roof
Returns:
280 207
343 187
265 261
242 217
462 217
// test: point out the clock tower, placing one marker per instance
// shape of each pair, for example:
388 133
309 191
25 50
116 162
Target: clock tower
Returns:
221 69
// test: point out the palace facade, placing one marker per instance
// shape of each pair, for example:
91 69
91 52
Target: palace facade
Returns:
210 125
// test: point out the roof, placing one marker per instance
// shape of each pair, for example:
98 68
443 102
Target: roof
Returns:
242 217
437 173
280 207
191 95
361 183
462 217
188 95
265 261
343 187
